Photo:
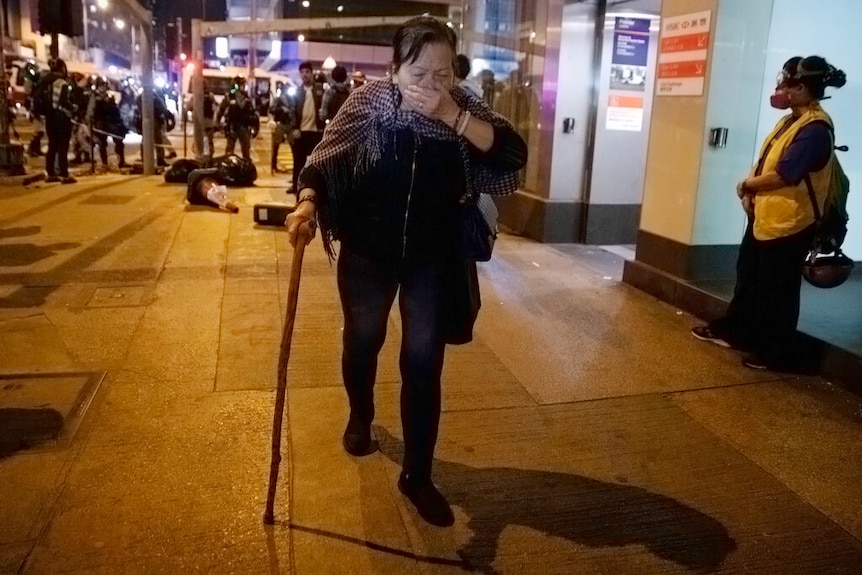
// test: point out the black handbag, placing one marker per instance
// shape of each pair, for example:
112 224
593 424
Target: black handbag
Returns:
461 306
478 227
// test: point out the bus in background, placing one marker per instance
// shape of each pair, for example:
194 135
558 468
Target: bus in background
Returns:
219 81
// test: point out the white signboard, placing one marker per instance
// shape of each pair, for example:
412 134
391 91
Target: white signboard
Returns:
625 113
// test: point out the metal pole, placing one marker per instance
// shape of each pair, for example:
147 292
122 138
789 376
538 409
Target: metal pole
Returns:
4 104
181 100
252 57
198 87
11 156
132 59
86 29
147 119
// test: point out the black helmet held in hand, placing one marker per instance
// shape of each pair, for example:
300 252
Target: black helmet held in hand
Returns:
827 271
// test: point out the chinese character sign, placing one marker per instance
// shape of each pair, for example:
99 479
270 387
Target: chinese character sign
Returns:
683 51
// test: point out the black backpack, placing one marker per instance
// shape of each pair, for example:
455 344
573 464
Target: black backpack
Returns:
335 102
832 223
42 97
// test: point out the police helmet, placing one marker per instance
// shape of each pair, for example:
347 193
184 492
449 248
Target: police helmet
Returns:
827 271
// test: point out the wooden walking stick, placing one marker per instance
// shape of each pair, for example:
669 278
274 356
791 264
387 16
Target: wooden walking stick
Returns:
283 357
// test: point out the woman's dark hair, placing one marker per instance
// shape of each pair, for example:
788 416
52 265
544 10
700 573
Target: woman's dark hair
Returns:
789 68
415 34
815 73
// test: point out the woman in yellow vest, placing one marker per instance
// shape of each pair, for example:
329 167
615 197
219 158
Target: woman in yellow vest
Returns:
764 311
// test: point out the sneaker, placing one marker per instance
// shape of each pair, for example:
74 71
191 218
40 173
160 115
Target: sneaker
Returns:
429 502
704 333
52 179
357 438
754 362
68 180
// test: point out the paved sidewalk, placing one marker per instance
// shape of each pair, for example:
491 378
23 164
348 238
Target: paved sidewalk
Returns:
584 430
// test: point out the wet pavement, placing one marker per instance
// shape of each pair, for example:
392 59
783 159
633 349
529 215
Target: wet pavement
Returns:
584 430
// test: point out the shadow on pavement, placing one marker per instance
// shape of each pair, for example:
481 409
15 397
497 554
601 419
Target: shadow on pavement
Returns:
579 509
20 232
22 429
27 254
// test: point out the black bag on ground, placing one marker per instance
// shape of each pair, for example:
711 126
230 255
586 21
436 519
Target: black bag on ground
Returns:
178 172
234 170
478 228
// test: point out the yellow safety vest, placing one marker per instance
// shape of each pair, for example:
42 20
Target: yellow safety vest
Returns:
788 210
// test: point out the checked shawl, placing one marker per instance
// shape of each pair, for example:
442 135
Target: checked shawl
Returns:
354 141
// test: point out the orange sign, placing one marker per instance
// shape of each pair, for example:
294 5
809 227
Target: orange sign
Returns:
683 43
683 54
696 69
625 102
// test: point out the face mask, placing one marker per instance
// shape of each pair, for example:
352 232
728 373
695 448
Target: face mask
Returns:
780 100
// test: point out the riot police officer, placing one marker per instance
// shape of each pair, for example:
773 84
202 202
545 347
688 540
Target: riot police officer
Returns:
241 121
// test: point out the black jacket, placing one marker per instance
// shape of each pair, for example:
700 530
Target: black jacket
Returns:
407 206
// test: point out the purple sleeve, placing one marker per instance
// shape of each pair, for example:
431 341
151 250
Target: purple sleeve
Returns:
808 152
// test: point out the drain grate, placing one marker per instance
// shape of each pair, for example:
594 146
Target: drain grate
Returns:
121 296
40 412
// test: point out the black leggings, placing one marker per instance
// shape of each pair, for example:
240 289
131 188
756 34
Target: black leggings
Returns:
764 311
367 289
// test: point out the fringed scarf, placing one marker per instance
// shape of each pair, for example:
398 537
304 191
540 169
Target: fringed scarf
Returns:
354 141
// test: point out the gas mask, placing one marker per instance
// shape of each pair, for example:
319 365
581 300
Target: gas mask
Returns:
780 99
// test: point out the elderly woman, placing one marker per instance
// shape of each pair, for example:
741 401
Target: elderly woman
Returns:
795 163
387 183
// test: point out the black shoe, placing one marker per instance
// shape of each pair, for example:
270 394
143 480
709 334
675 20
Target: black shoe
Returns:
357 438
171 156
704 333
754 362
68 180
796 365
429 503
52 179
